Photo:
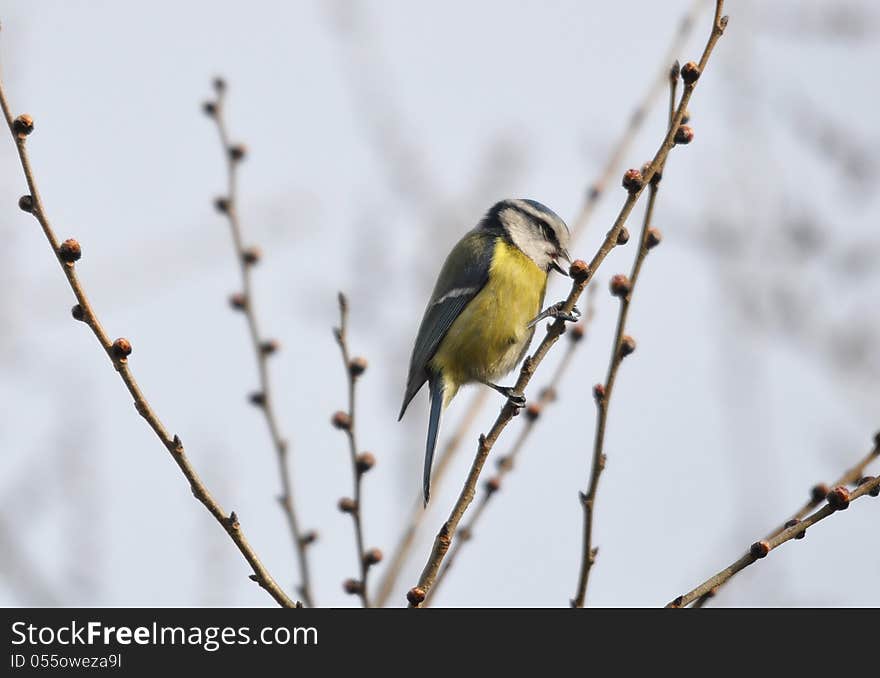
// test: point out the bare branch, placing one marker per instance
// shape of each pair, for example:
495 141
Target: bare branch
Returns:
838 499
118 351
582 274
248 257
820 491
622 346
361 462
818 494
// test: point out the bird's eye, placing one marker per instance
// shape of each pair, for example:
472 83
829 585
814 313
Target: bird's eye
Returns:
549 235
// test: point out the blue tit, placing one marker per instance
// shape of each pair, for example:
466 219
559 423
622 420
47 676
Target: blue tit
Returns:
480 319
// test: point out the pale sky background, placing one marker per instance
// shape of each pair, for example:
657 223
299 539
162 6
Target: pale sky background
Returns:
757 365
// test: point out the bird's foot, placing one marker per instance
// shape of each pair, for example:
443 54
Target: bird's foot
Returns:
518 400
555 311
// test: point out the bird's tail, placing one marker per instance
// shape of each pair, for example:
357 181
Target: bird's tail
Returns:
435 384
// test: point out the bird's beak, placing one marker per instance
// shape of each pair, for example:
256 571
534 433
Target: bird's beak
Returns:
554 264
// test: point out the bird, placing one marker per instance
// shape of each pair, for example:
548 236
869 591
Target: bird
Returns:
481 316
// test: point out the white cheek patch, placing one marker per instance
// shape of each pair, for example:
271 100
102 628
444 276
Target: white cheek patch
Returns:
457 292
525 238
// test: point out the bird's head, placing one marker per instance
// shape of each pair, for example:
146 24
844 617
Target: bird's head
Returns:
536 230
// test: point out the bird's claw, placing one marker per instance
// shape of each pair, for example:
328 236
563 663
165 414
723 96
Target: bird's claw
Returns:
555 311
569 317
518 400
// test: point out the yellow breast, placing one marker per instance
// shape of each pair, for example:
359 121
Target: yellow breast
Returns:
487 340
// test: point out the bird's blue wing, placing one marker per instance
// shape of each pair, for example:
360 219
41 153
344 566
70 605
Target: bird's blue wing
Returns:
463 275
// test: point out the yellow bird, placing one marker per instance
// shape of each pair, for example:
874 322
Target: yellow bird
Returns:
481 316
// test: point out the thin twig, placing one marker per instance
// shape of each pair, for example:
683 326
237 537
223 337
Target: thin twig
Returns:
263 348
582 273
587 210
534 411
817 495
621 347
838 499
118 351
361 462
